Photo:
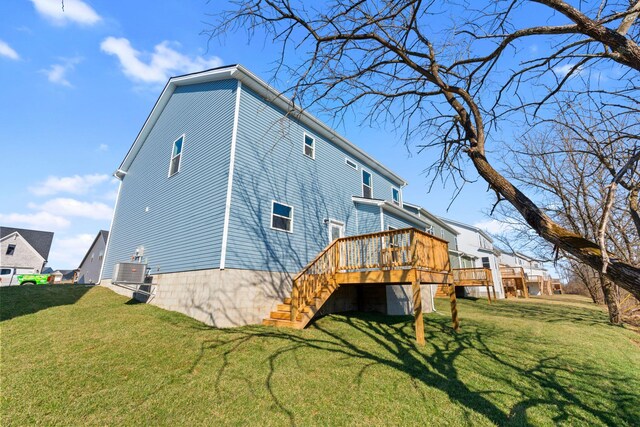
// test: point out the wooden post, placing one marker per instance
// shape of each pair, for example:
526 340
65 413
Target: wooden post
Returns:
493 288
488 292
294 301
454 307
525 289
417 309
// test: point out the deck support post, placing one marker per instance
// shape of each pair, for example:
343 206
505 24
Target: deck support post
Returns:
454 307
493 288
294 302
417 309
488 292
525 290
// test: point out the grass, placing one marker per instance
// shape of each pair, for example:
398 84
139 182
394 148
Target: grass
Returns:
76 355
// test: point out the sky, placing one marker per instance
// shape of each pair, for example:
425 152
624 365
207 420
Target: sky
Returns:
78 85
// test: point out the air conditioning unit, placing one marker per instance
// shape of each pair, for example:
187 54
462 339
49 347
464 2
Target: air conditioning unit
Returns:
132 273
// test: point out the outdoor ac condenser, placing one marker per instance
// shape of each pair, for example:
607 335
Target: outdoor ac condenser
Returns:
131 273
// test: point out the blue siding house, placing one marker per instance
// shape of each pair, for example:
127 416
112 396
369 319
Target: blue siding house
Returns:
227 192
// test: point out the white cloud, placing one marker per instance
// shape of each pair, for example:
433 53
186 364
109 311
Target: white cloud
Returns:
67 252
564 69
39 220
76 184
7 51
57 73
74 11
67 207
493 226
103 148
159 65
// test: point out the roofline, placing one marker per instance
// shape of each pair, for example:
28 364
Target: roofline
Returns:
270 94
91 247
433 217
472 227
385 204
29 245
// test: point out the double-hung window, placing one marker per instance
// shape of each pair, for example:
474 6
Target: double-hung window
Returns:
395 195
367 185
176 156
309 146
281 217
11 249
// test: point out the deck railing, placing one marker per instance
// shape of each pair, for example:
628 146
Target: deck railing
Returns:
406 248
511 272
478 275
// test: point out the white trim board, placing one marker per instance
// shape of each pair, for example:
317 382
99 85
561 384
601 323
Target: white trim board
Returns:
106 245
232 162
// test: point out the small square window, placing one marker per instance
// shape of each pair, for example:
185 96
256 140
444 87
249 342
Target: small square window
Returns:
176 156
309 146
11 249
395 194
367 187
281 217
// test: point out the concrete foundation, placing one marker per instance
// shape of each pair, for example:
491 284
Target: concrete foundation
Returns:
228 298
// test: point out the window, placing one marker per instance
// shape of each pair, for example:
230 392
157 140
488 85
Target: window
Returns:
176 155
281 217
11 249
91 260
367 192
429 229
5 271
100 255
442 233
390 227
350 163
309 146
395 195
485 262
336 229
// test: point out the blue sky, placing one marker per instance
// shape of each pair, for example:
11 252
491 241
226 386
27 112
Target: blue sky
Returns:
78 86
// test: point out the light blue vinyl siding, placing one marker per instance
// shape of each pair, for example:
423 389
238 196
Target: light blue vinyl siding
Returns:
396 222
368 218
270 166
182 229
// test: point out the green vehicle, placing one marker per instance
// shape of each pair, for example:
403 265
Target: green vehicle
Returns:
35 279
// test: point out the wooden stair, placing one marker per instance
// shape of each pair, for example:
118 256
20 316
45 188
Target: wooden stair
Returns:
442 291
282 316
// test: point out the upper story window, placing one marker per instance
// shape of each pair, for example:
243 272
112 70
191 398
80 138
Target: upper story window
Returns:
176 155
92 254
367 185
281 217
100 255
485 262
350 163
395 195
11 249
429 229
309 146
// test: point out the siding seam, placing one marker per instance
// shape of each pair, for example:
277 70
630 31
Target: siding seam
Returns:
232 158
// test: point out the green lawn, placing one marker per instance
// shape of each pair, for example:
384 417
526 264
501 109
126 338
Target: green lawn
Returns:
73 355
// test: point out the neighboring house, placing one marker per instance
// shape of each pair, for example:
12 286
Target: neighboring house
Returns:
226 194
25 250
89 269
477 243
537 278
63 276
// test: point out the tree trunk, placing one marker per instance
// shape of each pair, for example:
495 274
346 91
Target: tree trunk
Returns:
588 252
611 298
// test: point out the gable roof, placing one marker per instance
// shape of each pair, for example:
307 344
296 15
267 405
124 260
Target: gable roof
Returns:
432 217
270 94
102 234
40 241
468 227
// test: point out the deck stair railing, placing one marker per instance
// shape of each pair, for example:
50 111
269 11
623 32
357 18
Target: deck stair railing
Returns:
402 249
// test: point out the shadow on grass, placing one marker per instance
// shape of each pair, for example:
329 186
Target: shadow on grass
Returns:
373 339
18 301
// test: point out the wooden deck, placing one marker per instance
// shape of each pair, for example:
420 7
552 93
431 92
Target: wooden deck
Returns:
514 280
406 256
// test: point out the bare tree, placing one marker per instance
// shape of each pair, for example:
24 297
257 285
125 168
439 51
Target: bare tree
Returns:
452 85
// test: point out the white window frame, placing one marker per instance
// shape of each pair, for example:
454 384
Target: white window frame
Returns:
391 228
280 216
304 146
169 174
430 230
362 183
349 162
399 202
